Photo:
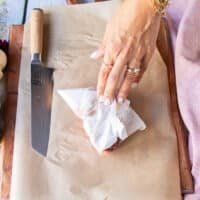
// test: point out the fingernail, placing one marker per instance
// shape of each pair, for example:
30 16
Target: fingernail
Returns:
120 100
93 55
134 85
101 99
107 102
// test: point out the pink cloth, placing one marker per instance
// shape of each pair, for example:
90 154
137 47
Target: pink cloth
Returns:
184 17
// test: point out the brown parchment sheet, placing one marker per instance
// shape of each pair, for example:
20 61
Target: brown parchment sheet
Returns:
145 166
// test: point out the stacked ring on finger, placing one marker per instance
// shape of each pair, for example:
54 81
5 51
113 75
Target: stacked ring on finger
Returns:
133 73
133 70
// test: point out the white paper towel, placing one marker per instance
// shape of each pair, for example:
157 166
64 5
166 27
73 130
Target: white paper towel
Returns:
104 124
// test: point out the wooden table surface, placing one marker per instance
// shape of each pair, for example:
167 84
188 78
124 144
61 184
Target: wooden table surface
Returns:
15 38
19 10
12 76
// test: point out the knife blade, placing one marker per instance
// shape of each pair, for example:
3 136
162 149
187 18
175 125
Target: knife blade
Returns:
41 87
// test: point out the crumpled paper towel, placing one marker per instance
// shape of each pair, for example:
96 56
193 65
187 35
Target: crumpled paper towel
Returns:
104 124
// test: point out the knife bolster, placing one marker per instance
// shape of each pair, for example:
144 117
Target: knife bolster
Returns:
36 57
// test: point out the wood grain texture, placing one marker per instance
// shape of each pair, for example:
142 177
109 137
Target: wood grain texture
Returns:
40 4
12 76
165 48
37 23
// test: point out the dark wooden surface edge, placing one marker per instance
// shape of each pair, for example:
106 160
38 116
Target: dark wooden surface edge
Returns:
12 76
164 45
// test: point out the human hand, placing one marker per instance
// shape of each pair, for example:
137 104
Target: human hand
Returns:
127 47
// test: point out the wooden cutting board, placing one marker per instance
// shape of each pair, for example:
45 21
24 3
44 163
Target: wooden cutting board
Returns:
12 76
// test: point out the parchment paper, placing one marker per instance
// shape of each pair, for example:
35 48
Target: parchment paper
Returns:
143 167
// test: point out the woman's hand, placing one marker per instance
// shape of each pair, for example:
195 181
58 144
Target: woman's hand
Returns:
128 45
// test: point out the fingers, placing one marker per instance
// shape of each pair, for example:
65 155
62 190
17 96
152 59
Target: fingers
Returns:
104 72
132 75
110 76
109 55
132 79
102 78
112 50
114 76
126 86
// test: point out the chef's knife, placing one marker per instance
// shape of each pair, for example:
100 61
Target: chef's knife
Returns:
41 87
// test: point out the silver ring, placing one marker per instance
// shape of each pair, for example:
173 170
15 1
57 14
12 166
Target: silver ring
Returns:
133 70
